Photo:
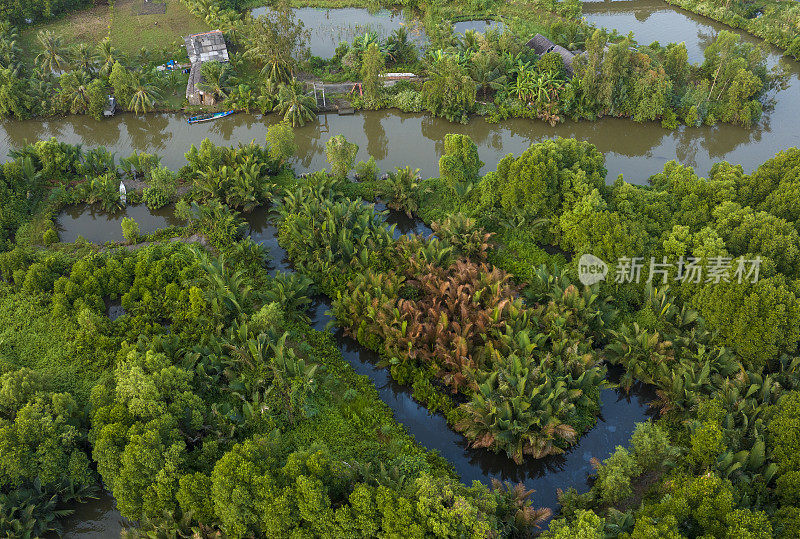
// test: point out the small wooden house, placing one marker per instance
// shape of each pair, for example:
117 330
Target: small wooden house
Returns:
205 47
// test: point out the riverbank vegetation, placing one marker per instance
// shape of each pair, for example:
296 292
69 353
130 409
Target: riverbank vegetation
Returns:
496 74
773 21
722 353
720 399
210 404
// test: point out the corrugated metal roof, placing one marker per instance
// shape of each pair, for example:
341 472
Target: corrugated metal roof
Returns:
206 47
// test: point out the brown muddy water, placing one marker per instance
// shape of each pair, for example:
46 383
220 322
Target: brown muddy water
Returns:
396 139
97 226
329 27
634 150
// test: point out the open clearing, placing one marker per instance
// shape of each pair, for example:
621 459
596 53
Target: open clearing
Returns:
129 30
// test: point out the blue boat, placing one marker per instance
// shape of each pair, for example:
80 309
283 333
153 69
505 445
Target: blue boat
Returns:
209 117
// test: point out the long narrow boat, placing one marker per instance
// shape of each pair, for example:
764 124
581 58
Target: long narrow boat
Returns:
208 117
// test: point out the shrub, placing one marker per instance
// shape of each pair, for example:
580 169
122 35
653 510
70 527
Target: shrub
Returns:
548 176
650 445
130 230
614 476
587 525
163 183
408 101
460 163
788 487
707 443
784 431
280 139
270 316
551 62
794 48
50 236
341 155
367 170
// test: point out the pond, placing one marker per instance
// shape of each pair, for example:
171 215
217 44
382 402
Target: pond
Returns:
655 20
329 27
98 226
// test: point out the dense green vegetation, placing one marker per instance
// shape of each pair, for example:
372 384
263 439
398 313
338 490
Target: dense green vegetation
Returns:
774 21
210 404
496 74
722 355
36 10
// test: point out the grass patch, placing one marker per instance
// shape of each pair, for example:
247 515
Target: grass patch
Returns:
129 31
31 337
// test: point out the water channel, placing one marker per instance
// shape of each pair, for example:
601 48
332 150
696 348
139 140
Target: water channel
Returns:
635 150
618 416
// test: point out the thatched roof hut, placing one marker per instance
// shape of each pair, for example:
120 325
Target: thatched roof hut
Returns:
540 44
567 56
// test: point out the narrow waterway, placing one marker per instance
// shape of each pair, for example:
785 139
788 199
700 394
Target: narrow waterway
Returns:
635 150
95 519
618 416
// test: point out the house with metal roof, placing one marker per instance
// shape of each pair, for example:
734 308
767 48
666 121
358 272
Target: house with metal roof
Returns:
205 47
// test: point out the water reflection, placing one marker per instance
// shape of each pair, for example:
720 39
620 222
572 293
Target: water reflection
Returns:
97 226
618 416
397 139
329 27
95 519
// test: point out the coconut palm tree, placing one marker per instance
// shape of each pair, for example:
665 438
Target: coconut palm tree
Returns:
75 91
144 96
487 72
295 106
400 48
84 58
54 55
106 56
10 51
216 80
